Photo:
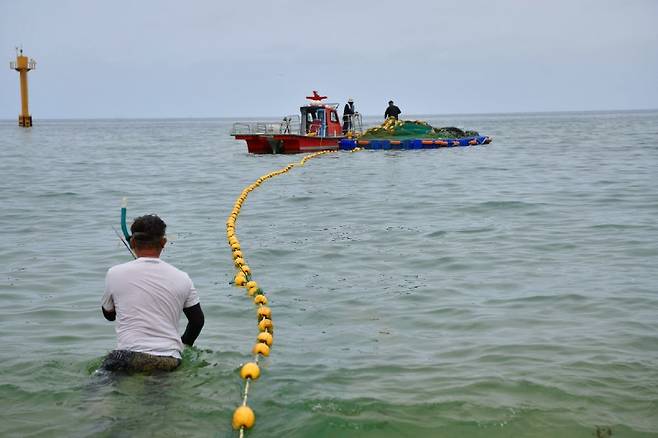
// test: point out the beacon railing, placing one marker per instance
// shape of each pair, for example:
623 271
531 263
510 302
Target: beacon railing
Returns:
289 125
31 65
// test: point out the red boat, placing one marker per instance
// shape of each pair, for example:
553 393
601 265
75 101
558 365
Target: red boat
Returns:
318 128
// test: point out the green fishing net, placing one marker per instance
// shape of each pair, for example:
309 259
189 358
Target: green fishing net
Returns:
408 129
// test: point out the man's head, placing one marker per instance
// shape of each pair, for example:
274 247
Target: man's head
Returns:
148 233
350 100
390 102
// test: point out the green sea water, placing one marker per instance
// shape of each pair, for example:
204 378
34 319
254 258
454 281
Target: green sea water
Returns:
507 290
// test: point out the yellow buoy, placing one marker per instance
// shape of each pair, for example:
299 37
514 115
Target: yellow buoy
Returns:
246 269
251 291
243 417
239 261
252 284
240 279
260 299
235 247
250 370
265 324
266 338
264 313
261 349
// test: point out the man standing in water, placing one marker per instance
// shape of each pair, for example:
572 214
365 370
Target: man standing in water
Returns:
146 297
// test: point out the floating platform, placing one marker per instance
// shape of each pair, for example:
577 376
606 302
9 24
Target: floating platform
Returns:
318 128
414 143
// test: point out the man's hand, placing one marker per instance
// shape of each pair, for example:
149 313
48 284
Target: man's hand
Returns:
110 315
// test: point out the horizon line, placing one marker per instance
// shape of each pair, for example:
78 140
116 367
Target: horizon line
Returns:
364 115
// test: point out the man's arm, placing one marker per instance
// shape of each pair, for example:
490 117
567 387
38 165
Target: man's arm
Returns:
195 321
107 302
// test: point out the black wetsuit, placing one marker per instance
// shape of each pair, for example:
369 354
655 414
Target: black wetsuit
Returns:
347 112
392 111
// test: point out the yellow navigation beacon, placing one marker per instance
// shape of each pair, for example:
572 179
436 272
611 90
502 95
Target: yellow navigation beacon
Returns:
22 65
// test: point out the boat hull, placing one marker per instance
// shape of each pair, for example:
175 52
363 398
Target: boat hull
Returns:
287 143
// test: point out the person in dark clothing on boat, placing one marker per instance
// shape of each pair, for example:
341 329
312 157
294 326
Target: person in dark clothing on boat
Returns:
146 298
392 111
348 112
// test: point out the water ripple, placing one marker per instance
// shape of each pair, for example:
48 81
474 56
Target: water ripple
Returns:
506 290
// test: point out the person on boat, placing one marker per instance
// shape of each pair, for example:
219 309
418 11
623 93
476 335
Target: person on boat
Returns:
285 125
392 111
146 298
348 112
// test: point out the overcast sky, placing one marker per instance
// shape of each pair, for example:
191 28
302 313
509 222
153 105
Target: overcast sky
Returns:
215 58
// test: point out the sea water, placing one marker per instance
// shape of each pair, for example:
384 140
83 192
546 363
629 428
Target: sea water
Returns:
507 290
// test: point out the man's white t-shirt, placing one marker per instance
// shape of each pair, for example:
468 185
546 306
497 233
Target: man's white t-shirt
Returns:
148 295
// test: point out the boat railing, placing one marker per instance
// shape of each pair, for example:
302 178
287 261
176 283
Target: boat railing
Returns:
356 123
291 124
288 125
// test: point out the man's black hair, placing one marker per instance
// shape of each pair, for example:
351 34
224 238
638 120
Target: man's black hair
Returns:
148 230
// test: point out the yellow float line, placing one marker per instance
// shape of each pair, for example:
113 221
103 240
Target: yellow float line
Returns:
243 416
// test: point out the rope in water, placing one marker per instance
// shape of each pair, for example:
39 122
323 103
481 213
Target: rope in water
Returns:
244 417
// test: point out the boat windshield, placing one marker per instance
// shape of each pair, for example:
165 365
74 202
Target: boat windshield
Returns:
314 118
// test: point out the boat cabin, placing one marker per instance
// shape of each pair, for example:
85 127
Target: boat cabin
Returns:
320 120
